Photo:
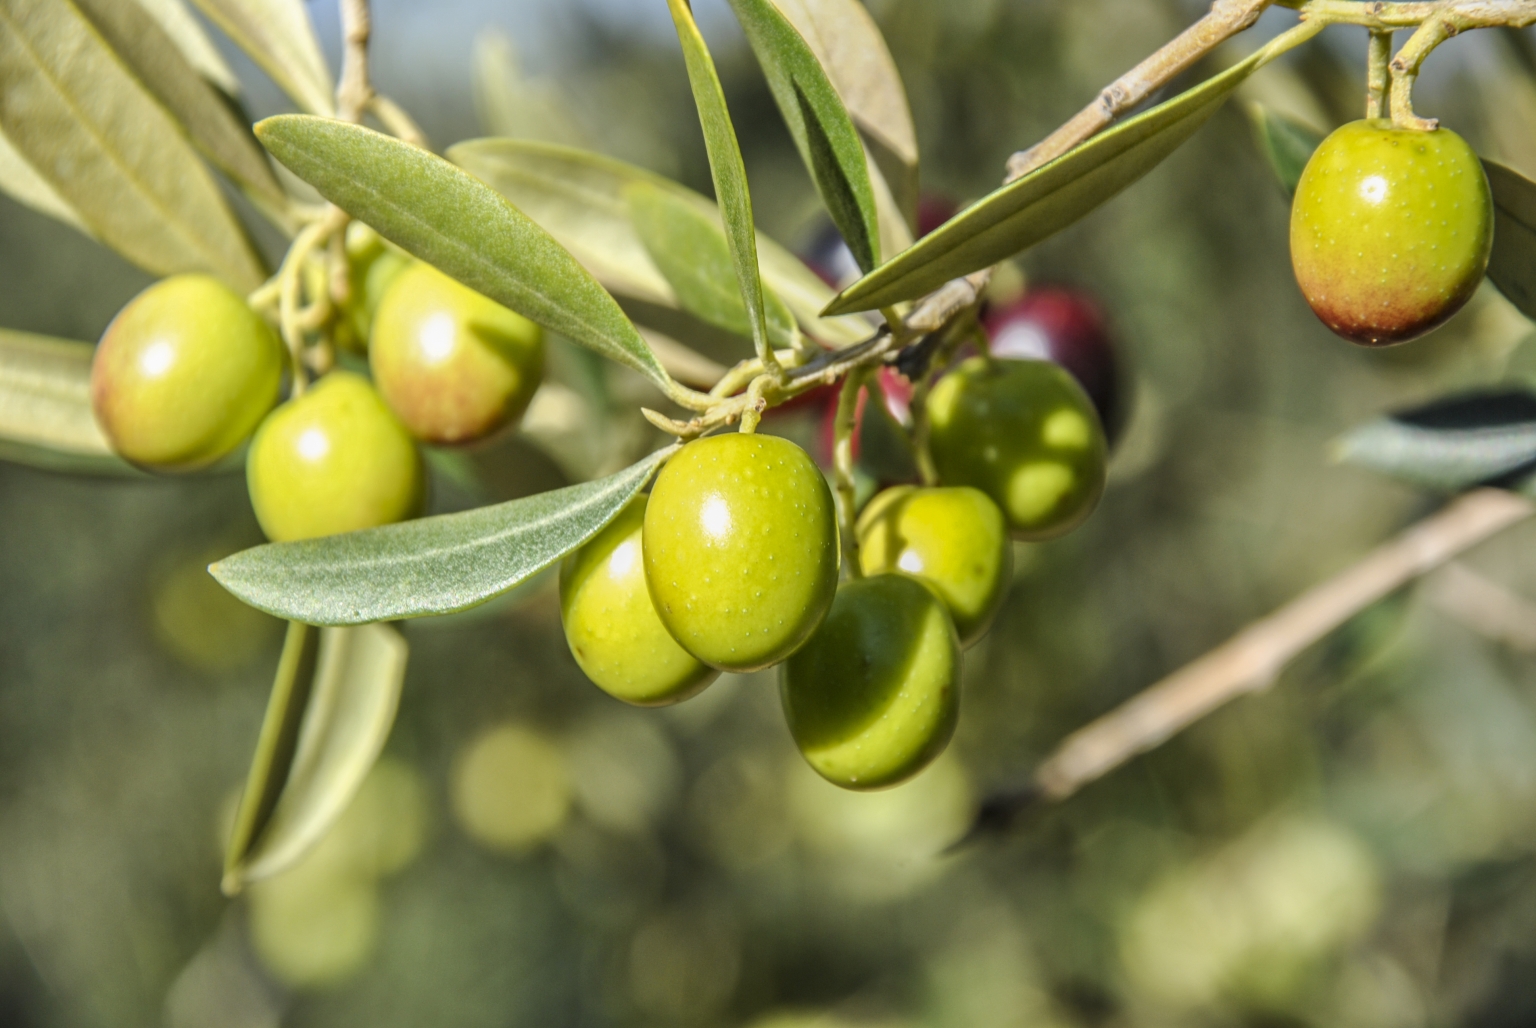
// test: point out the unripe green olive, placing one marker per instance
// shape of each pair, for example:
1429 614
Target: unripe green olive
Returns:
1024 433
184 373
452 364
611 624
372 266
333 460
874 696
953 538
741 549
1390 230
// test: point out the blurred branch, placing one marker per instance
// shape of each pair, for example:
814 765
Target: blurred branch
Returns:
354 90
1485 606
1250 661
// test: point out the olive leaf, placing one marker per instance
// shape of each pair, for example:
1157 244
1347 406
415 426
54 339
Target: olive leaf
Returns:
45 406
106 146
453 221
182 26
510 104
436 565
824 134
1287 144
579 198
1452 444
727 170
23 184
853 53
278 36
1046 200
152 55
1512 266
331 708
689 247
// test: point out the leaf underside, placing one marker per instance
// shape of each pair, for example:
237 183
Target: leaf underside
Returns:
579 198
45 406
1286 144
332 705
1451 445
435 565
1512 266
453 221
278 36
1046 200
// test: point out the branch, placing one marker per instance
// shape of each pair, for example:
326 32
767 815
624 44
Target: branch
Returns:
1448 18
1250 661
1484 606
354 90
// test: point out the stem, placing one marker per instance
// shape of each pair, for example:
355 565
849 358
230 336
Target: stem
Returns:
1250 661
752 409
353 89
1378 75
843 428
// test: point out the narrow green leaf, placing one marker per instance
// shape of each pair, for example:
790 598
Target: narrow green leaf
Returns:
45 406
330 712
1047 200
1512 266
152 55
109 150
435 565
828 143
510 104
1285 143
690 249
460 225
848 43
578 197
23 184
1452 444
727 170
183 27
278 36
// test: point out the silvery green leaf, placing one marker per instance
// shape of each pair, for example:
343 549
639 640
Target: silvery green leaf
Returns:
578 197
1452 444
1512 266
278 36
511 105
824 134
183 27
1286 144
455 222
332 705
23 184
109 150
45 406
435 565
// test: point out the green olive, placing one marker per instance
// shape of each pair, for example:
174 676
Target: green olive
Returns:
452 364
184 373
952 538
373 266
1390 230
741 549
612 627
1024 433
333 460
874 696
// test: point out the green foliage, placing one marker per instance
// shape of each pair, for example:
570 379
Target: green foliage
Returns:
1046 200
1449 445
436 565
828 143
45 406
727 170
461 226
1286 143
691 251
1512 266
332 706
109 150
278 36
579 198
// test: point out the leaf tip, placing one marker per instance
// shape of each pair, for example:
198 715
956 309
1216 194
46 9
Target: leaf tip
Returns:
232 883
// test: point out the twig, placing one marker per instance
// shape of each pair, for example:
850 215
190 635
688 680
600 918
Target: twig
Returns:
1449 18
1250 661
353 89
1377 73
1484 606
846 424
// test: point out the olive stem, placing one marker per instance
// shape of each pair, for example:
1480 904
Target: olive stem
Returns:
353 88
1252 660
1378 75
844 426
752 410
395 118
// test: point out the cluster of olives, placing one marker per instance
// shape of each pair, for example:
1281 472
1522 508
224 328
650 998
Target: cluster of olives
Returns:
732 563
187 371
1391 230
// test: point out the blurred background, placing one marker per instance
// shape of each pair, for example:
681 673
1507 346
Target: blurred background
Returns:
1355 847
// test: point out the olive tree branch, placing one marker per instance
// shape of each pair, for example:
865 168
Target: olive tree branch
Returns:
845 425
1377 73
1448 18
1252 659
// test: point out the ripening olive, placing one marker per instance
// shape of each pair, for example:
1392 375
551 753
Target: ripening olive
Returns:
741 549
184 373
333 460
1024 433
954 539
612 627
873 697
1390 230
452 364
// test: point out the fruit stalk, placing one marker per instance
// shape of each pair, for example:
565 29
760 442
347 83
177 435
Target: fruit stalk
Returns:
1378 73
842 463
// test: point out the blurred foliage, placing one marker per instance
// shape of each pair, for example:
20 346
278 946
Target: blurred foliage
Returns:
1356 847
